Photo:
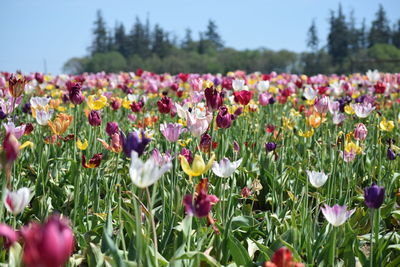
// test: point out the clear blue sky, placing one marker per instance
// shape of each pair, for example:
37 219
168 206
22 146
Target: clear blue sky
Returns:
56 30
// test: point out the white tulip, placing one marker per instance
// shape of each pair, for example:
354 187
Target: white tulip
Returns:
144 174
16 202
225 167
317 179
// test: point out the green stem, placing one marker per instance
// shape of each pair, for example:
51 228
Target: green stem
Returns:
153 226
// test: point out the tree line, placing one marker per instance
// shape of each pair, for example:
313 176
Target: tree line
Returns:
350 46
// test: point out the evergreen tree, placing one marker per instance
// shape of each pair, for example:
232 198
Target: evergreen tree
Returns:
312 37
187 43
139 40
338 43
100 41
160 43
213 36
363 38
396 34
380 30
121 40
201 48
354 34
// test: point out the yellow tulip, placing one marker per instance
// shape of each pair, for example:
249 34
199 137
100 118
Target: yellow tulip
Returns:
349 110
82 146
352 147
97 102
306 134
198 166
387 126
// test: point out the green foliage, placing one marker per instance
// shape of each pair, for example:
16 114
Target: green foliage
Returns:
108 62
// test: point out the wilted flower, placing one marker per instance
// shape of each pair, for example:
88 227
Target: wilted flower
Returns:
203 202
17 85
50 244
171 131
116 143
198 166
94 162
133 142
16 202
360 133
225 167
336 215
246 192
144 174
317 179
374 196
205 143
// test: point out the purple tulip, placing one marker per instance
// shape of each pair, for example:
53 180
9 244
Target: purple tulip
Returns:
270 146
391 154
112 128
94 118
374 196
187 154
74 93
133 142
214 99
171 131
224 119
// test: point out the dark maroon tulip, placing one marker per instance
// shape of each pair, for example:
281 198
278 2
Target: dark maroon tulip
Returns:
94 118
75 92
214 99
224 118
112 128
205 143
238 112
94 162
137 106
202 204
374 196
164 105
48 245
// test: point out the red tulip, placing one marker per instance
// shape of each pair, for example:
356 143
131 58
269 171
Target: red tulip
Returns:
243 97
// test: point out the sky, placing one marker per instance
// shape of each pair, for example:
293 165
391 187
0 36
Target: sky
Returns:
40 34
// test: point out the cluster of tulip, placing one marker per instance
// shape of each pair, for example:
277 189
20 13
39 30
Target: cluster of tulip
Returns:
191 170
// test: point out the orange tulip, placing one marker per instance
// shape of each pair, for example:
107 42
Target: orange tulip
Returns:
60 124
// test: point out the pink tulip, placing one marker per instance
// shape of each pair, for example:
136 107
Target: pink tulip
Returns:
9 235
360 133
49 244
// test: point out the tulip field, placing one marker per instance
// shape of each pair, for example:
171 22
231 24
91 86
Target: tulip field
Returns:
145 169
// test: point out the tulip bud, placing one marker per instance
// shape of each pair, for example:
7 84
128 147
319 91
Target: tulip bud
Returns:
74 93
137 106
94 118
115 103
